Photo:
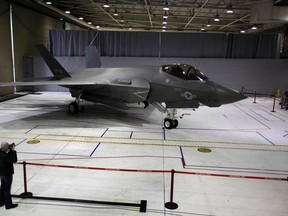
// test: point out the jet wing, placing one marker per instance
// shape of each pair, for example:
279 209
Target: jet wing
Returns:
130 91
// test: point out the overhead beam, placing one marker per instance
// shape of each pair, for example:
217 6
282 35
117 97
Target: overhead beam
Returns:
231 23
148 11
196 13
64 15
101 8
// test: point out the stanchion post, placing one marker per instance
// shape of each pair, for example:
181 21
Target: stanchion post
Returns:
25 194
273 110
171 204
255 95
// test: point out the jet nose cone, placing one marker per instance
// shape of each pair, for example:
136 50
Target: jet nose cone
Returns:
226 95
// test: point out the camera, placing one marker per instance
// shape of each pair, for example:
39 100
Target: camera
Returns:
12 146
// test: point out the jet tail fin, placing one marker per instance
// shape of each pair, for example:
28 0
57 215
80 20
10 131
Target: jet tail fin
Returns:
92 57
55 67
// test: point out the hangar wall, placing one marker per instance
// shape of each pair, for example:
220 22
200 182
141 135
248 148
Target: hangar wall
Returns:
30 28
5 50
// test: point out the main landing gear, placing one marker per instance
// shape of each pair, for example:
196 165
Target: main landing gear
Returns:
170 121
73 108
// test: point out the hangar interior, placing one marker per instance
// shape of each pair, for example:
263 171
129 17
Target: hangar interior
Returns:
127 156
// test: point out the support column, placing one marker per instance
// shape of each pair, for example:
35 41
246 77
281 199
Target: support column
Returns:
12 47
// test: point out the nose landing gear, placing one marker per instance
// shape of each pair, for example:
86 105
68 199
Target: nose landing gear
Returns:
170 121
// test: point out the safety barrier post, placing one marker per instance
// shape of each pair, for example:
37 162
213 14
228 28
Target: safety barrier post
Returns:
171 204
255 94
25 194
273 110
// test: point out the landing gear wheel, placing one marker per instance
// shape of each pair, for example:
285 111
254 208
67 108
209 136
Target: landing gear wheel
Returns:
168 123
73 108
175 123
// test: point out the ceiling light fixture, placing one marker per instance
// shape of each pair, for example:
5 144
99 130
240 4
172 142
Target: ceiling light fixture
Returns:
208 25
115 13
242 31
106 5
164 22
229 9
98 27
164 27
166 7
89 23
165 16
163 30
67 12
81 18
48 2
254 27
216 18
203 29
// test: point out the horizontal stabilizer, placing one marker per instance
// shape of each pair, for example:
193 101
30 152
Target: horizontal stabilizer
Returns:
55 67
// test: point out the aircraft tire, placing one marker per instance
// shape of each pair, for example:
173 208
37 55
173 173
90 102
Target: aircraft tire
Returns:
73 108
175 123
168 123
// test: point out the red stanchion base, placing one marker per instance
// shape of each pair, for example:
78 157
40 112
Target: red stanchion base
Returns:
171 205
26 195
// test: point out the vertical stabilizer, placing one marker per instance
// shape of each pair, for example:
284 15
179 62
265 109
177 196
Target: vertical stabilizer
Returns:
92 57
55 67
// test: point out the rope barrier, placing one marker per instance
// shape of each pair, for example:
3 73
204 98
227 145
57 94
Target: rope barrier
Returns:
154 171
143 204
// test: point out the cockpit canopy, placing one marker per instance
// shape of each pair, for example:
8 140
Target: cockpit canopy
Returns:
184 71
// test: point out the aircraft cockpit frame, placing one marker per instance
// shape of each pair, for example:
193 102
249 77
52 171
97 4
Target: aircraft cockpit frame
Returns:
184 72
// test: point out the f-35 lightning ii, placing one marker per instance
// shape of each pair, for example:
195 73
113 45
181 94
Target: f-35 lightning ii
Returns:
167 88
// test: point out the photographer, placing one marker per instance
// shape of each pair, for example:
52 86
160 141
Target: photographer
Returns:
8 156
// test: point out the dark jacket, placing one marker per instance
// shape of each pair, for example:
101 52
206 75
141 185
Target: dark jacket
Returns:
6 162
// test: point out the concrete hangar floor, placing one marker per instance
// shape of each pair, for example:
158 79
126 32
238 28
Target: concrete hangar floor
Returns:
114 156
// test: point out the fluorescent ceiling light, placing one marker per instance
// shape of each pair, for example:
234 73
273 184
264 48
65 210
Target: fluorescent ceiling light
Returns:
242 31
106 5
164 22
165 16
67 12
229 9
216 18
166 7
48 2
208 25
81 18
254 27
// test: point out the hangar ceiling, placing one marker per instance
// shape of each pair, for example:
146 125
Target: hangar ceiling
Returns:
183 15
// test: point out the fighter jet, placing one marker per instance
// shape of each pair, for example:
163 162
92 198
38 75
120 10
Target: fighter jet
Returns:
167 88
